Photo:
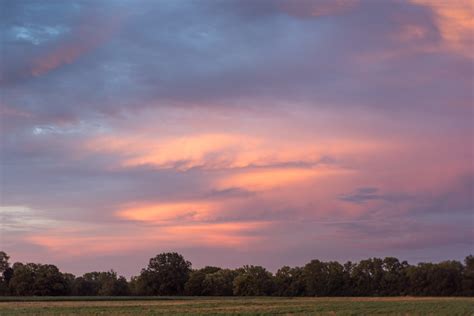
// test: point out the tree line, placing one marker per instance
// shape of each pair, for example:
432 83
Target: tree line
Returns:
171 274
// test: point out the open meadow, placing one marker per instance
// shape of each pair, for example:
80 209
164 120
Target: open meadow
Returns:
235 306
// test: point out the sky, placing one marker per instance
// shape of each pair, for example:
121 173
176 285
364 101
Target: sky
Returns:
235 132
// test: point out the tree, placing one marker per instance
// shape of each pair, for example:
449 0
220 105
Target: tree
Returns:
219 283
111 285
324 278
367 276
315 278
468 276
394 279
417 276
194 285
22 280
141 285
37 279
289 282
84 287
253 281
166 274
49 281
69 281
170 274
134 286
446 278
5 273
144 284
100 283
335 279
348 269
4 264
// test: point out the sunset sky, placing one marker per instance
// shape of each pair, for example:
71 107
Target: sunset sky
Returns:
235 132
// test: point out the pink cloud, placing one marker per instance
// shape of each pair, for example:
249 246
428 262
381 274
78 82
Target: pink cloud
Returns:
91 32
455 23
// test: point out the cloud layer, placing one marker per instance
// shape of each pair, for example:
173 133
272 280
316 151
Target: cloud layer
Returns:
267 132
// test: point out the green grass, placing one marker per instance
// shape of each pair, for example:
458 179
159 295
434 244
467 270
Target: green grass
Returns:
234 306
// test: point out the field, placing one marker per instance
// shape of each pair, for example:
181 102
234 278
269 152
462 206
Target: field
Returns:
235 306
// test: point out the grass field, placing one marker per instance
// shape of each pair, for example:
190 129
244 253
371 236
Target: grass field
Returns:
234 305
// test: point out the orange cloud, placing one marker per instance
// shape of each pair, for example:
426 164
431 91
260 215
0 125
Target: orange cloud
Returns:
198 150
227 234
213 151
64 242
456 23
274 177
157 212
182 152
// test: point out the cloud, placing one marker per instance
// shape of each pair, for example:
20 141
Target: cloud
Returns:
323 8
91 32
274 177
275 130
455 23
366 194
18 219
54 45
185 152
71 242
158 212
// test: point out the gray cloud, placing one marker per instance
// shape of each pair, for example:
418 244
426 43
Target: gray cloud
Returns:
75 70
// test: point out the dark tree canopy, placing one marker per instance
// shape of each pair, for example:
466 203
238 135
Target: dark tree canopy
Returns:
194 285
219 283
6 273
166 274
171 274
101 284
253 281
38 279
4 264
324 278
468 276
289 282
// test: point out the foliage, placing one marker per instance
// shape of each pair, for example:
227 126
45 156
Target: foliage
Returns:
194 285
289 282
253 281
323 278
38 279
166 274
4 264
171 274
100 283
219 283
5 273
468 277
